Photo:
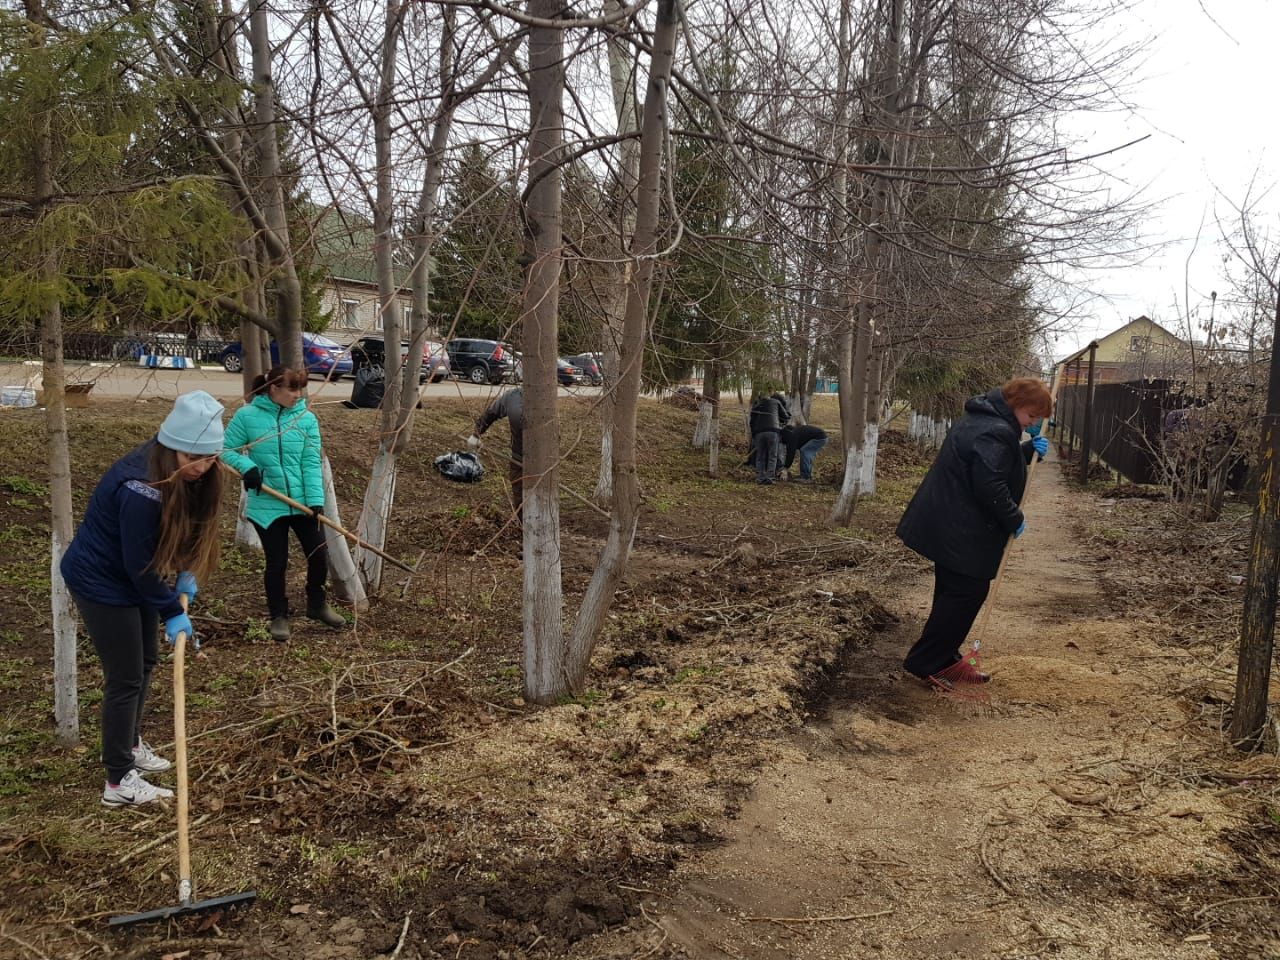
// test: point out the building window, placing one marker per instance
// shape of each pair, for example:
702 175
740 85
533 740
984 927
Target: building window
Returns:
406 320
1139 344
350 313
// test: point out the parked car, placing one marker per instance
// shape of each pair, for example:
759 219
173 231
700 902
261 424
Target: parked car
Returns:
567 373
320 355
590 368
481 361
372 350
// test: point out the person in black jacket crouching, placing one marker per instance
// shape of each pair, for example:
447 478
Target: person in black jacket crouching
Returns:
965 511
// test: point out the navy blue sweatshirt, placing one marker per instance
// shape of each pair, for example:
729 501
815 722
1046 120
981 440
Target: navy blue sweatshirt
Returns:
109 560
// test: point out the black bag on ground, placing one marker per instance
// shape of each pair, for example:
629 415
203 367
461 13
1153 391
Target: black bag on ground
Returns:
461 465
371 384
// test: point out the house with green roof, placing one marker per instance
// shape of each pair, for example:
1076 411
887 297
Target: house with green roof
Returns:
349 284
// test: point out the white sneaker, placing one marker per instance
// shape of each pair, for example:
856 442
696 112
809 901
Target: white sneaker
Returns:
132 791
147 760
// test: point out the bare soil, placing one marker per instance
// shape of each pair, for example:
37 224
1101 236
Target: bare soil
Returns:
746 748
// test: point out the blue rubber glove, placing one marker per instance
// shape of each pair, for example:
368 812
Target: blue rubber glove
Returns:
187 584
1034 429
176 625
1041 445
1021 529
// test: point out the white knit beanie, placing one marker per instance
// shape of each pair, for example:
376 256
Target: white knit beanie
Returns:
194 425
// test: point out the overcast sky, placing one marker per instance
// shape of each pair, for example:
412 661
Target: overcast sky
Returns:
1206 94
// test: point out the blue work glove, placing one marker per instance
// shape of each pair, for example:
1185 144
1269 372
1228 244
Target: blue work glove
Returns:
1021 529
187 584
1034 429
176 625
1041 445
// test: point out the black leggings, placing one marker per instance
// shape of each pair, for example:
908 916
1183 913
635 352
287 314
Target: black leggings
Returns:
275 546
127 640
957 598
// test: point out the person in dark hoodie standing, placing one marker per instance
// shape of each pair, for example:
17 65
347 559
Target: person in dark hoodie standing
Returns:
768 416
153 516
964 512
275 440
511 407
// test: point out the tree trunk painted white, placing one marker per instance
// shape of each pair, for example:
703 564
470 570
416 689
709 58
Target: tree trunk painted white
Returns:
66 702
378 497
246 532
713 455
702 426
624 517
343 571
545 678
867 480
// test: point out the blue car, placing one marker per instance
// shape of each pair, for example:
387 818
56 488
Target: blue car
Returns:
320 355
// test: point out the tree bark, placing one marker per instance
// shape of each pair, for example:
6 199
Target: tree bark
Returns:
545 678
622 71
613 558
66 702
1258 622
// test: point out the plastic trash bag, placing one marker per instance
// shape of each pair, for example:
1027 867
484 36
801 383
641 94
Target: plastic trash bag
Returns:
461 466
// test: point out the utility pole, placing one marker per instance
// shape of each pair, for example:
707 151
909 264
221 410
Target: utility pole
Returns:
1257 625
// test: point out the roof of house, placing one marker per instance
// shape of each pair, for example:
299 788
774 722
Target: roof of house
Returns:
1143 320
344 247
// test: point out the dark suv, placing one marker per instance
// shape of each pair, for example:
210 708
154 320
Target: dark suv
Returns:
481 361
373 350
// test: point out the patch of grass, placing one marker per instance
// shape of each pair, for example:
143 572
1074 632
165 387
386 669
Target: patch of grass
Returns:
242 560
18 484
460 512
202 700
24 504
11 672
257 631
222 682
10 638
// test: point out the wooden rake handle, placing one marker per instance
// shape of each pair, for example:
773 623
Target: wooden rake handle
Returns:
363 544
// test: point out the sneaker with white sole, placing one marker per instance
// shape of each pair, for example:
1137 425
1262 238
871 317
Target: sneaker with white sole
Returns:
131 791
147 760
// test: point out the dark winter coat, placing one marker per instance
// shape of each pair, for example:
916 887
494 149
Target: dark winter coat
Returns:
109 561
511 406
967 506
768 413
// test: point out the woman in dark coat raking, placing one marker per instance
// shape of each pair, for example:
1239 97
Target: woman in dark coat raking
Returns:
149 536
964 512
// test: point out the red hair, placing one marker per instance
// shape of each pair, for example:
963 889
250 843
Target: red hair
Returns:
1030 394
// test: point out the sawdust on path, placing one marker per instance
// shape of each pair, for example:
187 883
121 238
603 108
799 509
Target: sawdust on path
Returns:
901 826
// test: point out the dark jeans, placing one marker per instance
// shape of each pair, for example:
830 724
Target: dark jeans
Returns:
766 443
127 640
957 598
275 546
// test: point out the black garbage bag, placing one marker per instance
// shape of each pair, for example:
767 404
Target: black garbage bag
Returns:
461 465
371 384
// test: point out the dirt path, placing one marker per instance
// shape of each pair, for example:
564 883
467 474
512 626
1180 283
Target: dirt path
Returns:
934 832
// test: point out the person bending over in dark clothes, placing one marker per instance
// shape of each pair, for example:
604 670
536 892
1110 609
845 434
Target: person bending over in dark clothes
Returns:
807 441
964 512
768 416
511 406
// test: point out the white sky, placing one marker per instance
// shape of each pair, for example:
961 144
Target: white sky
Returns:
1206 95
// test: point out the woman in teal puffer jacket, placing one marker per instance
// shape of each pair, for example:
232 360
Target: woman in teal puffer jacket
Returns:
275 440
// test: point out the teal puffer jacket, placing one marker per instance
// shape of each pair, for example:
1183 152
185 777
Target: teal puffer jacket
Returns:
285 446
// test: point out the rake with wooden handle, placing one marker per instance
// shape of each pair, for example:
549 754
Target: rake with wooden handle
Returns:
363 544
185 905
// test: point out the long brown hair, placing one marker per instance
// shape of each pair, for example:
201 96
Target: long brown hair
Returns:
188 516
